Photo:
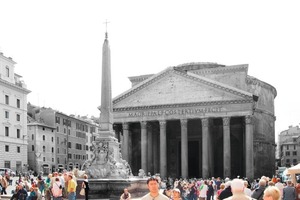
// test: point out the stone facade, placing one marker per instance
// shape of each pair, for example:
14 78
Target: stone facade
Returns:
61 141
198 120
289 146
13 126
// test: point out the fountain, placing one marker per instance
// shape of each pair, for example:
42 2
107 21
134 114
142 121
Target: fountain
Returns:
108 173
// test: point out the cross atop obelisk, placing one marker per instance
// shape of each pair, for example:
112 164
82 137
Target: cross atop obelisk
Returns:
106 22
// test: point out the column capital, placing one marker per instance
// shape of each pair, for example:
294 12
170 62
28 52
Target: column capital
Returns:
204 122
162 122
143 124
183 122
249 119
125 125
226 121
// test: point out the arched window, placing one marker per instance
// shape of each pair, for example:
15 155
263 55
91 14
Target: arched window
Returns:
44 149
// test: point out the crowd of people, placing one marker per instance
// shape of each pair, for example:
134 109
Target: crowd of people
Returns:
56 186
264 188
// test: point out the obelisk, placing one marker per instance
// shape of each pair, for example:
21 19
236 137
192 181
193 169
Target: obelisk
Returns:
106 115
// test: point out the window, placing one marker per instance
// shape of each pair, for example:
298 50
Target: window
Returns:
6 148
7 71
64 130
18 117
57 120
44 149
52 159
44 138
57 150
69 145
295 161
44 159
6 99
7 164
18 133
32 137
294 153
287 147
18 103
57 140
18 149
57 129
294 147
57 160
52 150
6 131
287 153
32 147
70 156
52 139
287 160
6 114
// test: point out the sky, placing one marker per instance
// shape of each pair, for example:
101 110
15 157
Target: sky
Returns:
57 45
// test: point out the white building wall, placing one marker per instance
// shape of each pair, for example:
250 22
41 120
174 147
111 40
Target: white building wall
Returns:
15 157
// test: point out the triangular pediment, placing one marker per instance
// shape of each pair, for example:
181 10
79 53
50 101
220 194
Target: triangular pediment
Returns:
171 87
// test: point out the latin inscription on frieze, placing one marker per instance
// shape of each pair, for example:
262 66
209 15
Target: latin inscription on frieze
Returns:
184 111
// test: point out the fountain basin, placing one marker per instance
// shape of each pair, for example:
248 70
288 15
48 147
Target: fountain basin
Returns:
113 188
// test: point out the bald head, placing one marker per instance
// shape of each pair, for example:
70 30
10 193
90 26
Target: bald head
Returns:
237 185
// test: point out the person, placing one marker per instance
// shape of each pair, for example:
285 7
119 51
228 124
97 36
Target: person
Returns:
153 194
57 189
237 188
280 186
71 187
85 185
297 191
272 193
32 194
203 190
289 192
247 191
210 190
4 184
226 192
126 195
222 187
40 184
258 192
176 194
21 193
168 191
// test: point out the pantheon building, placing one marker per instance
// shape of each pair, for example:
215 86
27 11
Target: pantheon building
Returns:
198 120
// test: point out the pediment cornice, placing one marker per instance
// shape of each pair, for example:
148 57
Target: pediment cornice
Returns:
188 75
196 104
227 69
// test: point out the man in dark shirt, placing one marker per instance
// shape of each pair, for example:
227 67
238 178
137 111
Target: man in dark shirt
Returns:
226 192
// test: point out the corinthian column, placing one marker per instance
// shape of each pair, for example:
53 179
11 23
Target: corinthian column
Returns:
226 147
150 148
249 147
125 141
163 149
205 172
184 149
144 146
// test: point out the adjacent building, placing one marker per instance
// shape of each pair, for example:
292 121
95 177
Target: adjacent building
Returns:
58 141
289 146
13 117
198 120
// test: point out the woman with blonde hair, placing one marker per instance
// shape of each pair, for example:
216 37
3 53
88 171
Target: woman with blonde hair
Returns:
272 193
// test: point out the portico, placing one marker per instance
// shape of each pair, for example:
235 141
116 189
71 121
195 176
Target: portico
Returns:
189 121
